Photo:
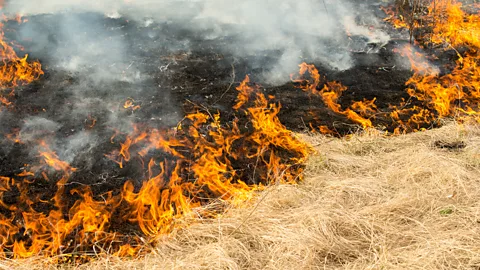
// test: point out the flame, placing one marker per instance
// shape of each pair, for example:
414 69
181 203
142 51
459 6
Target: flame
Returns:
14 71
453 26
187 168
204 162
394 17
418 62
91 121
129 104
457 93
244 93
366 107
4 101
330 94
433 95
51 159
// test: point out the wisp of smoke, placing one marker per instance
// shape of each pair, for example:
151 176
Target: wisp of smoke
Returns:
77 42
310 29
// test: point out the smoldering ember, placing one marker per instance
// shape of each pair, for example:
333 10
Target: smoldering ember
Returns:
120 120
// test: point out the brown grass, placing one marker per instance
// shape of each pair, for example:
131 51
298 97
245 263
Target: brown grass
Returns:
368 202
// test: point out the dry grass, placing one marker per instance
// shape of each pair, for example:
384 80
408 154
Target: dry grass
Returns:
368 202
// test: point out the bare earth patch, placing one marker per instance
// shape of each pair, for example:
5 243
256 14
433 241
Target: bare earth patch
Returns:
368 202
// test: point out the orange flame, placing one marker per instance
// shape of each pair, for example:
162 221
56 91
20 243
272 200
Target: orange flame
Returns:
394 17
129 104
194 169
14 70
330 94
203 160
457 93
434 95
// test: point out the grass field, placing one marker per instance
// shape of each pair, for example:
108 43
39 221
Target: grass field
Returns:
368 202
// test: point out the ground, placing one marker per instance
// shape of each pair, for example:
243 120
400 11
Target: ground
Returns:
80 110
368 202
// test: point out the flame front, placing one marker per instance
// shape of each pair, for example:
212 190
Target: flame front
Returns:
454 92
201 161
14 70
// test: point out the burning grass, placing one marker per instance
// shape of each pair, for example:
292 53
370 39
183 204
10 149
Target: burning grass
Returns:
187 167
368 202
436 91
15 70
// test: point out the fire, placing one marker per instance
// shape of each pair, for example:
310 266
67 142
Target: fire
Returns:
330 94
394 17
244 92
186 168
206 159
14 70
129 104
454 27
456 93
90 122
5 101
51 159
434 95
418 63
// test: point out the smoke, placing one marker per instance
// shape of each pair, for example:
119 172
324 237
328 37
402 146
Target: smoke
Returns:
308 29
106 44
36 128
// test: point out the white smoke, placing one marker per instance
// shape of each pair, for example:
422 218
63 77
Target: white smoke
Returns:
309 29
98 52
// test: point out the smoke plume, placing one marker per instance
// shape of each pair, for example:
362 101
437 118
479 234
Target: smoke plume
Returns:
108 49
309 29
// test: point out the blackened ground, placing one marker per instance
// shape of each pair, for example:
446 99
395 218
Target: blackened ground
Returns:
180 67
178 71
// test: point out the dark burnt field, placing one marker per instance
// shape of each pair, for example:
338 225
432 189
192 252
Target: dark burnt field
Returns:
174 83
169 82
